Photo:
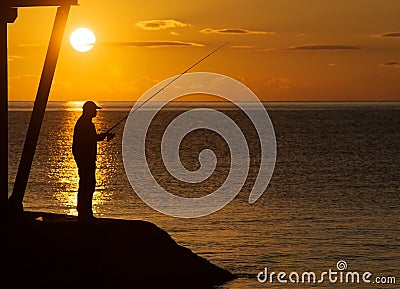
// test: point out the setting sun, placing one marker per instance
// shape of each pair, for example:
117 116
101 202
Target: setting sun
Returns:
82 39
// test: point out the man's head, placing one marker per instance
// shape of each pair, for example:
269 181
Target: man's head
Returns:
90 108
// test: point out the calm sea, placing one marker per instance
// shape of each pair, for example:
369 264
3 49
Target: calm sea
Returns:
334 195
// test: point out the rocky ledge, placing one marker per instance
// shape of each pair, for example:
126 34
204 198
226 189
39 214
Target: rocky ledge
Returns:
42 250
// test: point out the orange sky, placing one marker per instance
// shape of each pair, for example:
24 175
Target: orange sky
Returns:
283 50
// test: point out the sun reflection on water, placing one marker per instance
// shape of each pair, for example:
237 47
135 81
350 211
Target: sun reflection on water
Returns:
74 105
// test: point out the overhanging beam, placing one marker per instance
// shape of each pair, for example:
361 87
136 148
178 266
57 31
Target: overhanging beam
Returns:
33 3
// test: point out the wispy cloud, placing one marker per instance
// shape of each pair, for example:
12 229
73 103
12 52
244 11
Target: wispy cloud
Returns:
323 47
270 49
14 57
242 46
394 64
387 35
24 76
160 24
234 31
28 45
277 83
155 44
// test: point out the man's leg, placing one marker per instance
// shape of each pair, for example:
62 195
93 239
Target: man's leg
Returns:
91 187
87 185
82 192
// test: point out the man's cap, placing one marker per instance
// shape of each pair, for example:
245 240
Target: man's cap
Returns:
90 104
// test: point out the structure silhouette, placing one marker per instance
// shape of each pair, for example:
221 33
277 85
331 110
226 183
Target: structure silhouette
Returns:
8 14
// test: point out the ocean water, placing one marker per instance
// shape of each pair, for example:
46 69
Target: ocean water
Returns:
334 194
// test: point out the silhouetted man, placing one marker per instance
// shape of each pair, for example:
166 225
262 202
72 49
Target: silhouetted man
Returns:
84 149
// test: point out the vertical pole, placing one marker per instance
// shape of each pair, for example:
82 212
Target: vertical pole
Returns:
7 15
21 180
3 115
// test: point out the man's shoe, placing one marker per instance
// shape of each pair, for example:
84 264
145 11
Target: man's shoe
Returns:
86 218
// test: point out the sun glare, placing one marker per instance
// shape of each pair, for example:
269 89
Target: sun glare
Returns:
82 39
74 105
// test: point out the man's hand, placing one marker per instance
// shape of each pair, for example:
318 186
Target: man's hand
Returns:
101 136
110 136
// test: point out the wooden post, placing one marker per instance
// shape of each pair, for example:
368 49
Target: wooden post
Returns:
15 202
3 115
7 15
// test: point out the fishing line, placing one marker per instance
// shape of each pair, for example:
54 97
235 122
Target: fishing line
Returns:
168 84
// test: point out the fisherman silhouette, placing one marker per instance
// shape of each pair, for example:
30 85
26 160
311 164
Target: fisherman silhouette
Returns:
84 149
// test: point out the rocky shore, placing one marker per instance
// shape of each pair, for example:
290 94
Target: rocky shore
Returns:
42 250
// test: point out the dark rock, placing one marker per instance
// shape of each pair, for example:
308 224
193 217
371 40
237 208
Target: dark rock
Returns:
42 250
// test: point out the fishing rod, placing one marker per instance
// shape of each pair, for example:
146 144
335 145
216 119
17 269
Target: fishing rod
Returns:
165 86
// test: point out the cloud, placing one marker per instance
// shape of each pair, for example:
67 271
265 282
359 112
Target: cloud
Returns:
156 44
24 76
323 47
234 31
277 83
270 49
387 35
242 46
27 45
14 57
160 24
394 64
